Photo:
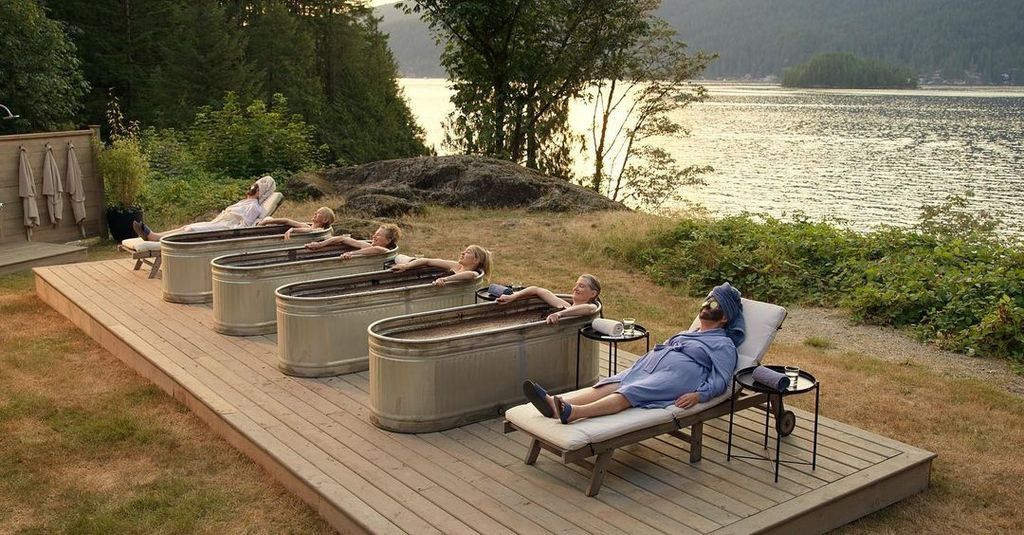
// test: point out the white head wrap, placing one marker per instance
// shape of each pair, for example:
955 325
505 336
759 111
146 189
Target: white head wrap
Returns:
266 186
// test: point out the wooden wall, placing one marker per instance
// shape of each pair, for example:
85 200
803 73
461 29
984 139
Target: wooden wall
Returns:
11 216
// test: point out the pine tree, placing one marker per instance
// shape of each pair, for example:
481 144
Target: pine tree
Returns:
119 42
204 61
282 47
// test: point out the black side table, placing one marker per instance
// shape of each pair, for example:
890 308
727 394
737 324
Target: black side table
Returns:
784 420
613 345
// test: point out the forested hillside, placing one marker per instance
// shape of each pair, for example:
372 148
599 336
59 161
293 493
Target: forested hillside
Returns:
978 41
166 59
844 70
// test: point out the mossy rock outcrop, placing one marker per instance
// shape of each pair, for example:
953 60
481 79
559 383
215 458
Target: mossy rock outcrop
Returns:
382 206
360 229
385 188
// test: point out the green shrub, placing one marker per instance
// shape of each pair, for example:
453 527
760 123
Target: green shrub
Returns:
797 262
169 153
244 143
819 342
172 201
951 278
124 168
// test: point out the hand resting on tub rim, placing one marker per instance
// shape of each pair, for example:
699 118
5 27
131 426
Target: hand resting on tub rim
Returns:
383 240
584 298
322 218
473 261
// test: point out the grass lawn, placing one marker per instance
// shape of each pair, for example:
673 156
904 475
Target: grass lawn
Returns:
88 446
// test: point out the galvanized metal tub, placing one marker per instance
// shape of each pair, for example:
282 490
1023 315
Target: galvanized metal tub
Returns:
321 324
437 370
244 284
186 257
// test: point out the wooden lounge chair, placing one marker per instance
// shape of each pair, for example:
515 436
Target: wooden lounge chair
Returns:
601 436
148 252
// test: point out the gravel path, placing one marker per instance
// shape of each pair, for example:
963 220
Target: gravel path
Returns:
893 345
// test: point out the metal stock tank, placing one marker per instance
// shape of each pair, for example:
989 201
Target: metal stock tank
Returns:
321 325
244 284
186 257
436 370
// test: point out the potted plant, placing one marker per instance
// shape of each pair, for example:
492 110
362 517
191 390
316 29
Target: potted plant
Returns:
123 167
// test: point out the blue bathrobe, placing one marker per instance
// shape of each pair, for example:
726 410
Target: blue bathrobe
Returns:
701 362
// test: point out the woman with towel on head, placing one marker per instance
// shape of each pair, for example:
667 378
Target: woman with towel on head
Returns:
383 240
244 213
691 367
473 260
322 218
584 298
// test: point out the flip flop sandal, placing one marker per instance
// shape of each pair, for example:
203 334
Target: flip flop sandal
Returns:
564 409
538 397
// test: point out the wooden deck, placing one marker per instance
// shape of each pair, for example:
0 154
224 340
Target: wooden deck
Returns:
16 256
314 437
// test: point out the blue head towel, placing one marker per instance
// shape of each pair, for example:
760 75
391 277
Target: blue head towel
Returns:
729 299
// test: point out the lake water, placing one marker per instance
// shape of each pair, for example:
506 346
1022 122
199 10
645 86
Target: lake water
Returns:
865 157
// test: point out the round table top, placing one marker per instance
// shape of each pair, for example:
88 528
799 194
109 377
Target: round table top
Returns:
482 293
804 382
639 333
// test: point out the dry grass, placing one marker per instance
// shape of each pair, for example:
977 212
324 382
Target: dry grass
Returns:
87 446
976 430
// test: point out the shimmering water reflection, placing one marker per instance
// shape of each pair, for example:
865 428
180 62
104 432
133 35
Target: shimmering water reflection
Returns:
865 157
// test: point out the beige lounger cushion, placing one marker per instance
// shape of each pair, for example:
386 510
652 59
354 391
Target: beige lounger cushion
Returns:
587 431
763 320
679 414
140 245
270 205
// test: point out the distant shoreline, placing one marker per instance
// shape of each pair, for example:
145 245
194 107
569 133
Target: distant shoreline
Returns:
921 87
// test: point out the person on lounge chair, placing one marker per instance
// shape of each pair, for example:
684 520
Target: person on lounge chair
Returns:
322 218
473 260
584 298
244 213
689 368
383 240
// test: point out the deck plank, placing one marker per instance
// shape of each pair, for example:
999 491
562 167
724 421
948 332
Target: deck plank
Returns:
283 417
293 398
141 317
18 256
314 436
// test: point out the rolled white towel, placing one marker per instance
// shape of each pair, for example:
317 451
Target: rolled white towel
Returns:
608 327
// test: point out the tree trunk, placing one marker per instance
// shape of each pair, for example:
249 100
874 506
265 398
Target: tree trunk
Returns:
500 112
603 136
531 140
